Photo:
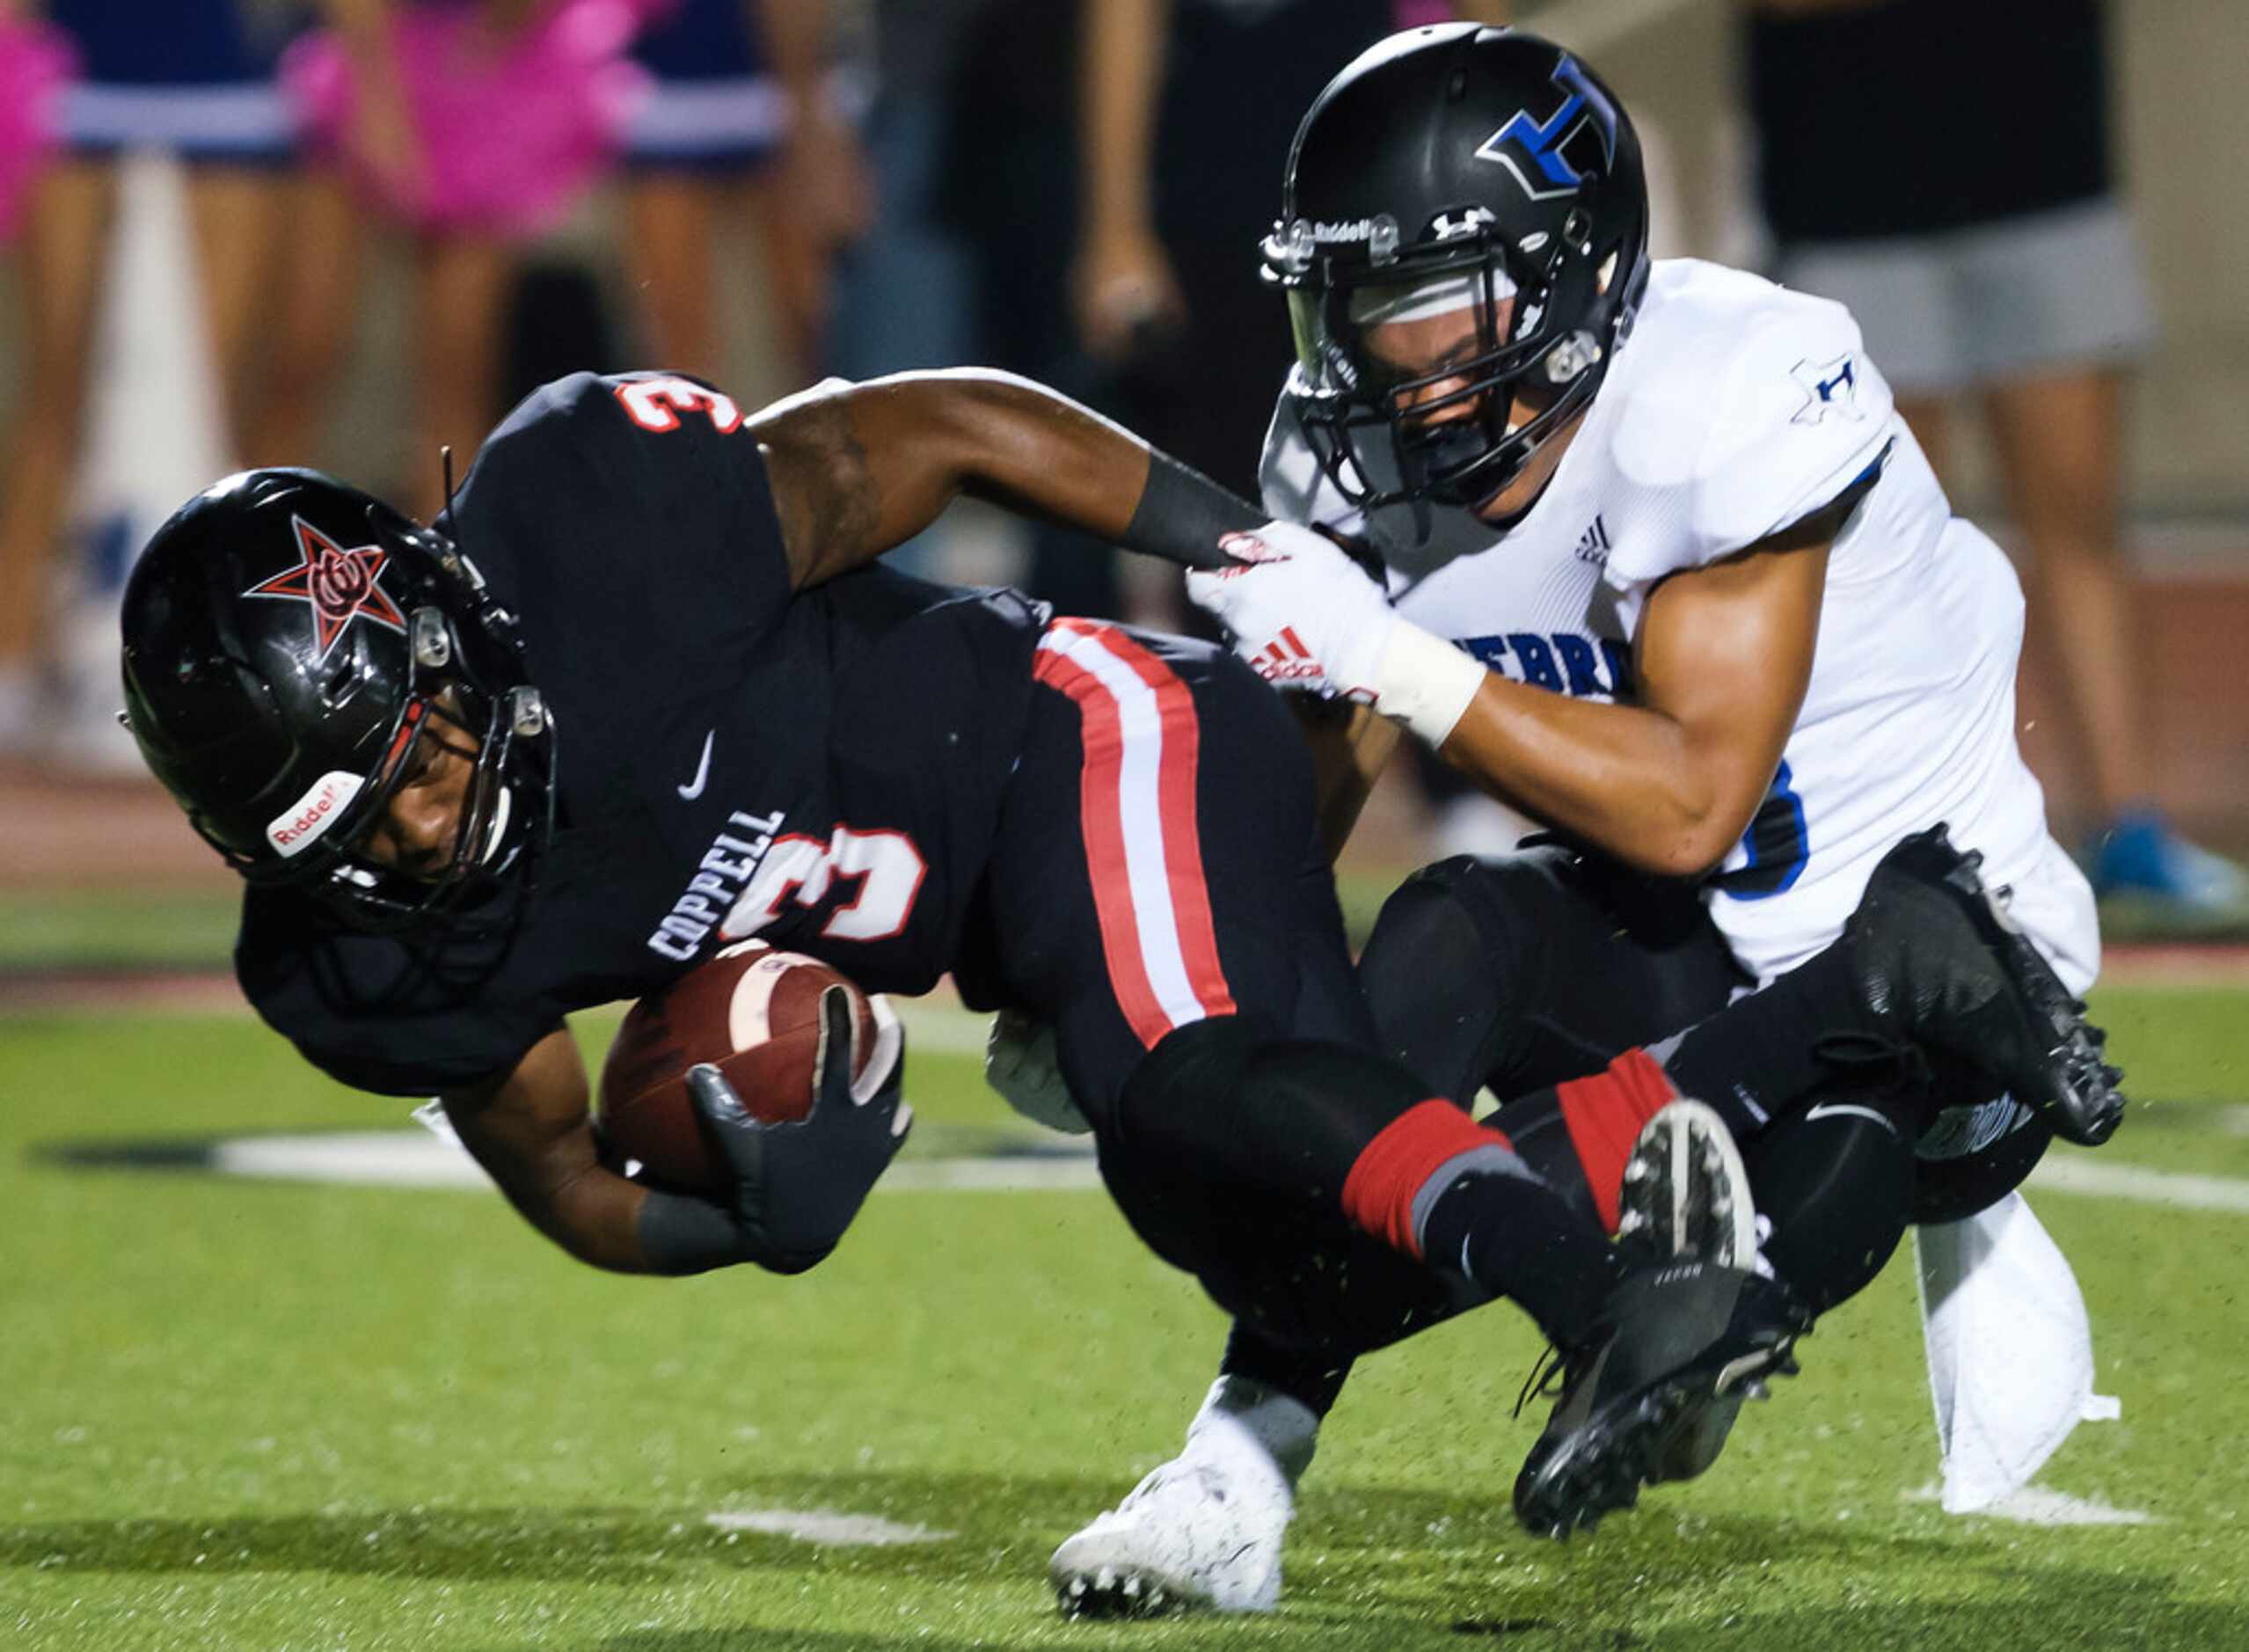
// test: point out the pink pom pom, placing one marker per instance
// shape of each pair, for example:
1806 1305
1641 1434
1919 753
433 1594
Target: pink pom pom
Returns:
509 138
36 63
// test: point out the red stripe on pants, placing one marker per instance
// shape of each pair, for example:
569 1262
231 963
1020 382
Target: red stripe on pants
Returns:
1102 807
1183 876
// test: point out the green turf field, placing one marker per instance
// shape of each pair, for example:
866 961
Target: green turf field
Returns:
263 1415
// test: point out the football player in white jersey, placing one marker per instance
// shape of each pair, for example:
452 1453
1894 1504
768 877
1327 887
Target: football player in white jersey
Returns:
1658 565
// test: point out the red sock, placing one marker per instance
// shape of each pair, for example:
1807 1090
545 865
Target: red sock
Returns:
1387 1176
1604 1113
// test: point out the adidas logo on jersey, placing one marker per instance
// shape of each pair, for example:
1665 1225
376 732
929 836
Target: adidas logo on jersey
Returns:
1593 544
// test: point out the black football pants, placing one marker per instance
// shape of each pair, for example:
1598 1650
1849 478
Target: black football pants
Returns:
1156 876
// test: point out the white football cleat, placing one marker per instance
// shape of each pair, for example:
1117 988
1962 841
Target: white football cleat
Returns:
1686 1189
1203 1530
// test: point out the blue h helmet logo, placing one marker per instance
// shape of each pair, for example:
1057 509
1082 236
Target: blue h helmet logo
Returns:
1532 150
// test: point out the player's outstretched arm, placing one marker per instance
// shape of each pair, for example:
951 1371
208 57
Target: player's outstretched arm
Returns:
857 469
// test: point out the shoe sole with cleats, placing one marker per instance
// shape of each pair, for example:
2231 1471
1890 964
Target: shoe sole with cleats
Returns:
1109 1592
2081 1090
1686 1188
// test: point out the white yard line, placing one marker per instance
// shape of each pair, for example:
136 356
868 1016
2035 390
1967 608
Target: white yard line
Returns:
420 1159
2037 1506
2176 1189
416 1158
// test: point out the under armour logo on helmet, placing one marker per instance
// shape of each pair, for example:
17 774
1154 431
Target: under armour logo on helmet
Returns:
339 586
1453 226
1532 150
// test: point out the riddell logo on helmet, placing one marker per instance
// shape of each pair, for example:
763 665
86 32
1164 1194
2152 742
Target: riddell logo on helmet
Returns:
296 828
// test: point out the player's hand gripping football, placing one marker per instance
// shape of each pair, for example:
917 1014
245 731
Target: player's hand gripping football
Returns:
798 1184
1303 614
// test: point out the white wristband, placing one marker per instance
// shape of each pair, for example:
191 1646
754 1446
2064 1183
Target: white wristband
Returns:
1425 683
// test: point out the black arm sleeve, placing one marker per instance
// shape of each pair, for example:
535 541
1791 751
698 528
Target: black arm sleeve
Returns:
1183 514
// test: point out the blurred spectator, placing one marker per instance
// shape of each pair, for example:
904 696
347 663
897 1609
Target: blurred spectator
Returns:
193 76
1943 167
1188 107
741 114
471 125
307 317
906 291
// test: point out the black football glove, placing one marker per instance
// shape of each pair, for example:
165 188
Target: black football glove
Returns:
797 1185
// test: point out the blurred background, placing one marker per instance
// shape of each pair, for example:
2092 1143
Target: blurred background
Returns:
347 234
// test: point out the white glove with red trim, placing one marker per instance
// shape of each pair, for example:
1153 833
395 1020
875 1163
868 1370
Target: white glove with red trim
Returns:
1307 618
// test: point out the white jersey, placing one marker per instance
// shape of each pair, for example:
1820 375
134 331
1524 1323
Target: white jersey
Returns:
1735 409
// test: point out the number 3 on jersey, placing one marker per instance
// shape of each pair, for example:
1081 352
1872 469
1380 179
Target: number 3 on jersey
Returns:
806 870
1775 849
656 403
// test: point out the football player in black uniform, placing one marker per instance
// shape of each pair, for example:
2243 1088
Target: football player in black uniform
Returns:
643 695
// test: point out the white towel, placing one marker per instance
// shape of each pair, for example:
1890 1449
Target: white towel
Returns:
2010 1351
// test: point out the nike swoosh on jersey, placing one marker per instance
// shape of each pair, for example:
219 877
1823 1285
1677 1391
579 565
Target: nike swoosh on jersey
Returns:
693 789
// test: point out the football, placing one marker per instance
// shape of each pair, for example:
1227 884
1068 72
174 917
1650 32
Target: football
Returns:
751 1012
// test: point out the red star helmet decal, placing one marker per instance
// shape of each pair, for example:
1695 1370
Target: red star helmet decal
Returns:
338 585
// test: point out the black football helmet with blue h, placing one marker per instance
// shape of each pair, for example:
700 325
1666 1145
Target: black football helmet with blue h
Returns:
1498 164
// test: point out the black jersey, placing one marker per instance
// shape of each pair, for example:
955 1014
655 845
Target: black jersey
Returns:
820 769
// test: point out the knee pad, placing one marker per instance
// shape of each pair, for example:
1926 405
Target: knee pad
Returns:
1464 904
1201 1059
1453 961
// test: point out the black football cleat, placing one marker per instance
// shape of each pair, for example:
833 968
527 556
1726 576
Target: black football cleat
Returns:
1937 957
1672 1336
1686 1193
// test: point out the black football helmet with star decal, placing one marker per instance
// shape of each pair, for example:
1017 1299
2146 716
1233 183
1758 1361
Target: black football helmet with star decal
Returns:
288 642
1457 167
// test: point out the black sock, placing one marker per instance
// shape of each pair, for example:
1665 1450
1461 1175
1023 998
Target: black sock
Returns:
1764 1055
1515 1237
1537 1130
1312 1377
